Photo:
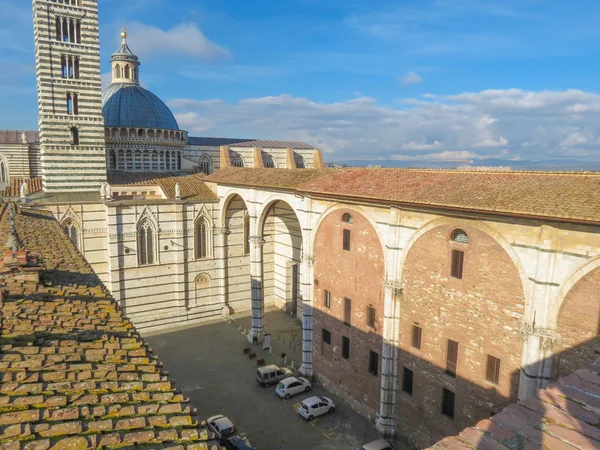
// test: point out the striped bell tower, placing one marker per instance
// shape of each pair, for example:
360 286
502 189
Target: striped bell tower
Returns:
67 54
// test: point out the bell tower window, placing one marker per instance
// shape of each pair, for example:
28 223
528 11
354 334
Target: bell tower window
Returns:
74 136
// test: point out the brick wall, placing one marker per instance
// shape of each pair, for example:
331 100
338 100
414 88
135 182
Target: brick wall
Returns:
481 312
356 274
578 327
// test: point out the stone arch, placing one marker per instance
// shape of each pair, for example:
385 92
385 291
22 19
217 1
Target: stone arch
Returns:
575 316
458 223
202 290
72 228
280 228
225 205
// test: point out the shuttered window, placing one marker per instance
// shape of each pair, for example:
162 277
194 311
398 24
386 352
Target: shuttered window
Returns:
346 240
416 336
370 316
492 373
347 312
451 357
458 259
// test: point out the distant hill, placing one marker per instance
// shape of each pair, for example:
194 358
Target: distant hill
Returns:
548 165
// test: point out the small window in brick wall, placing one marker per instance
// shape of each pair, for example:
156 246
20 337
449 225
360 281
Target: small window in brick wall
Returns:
416 336
371 316
451 357
492 372
347 312
327 299
326 336
448 403
458 259
407 381
346 243
345 347
373 362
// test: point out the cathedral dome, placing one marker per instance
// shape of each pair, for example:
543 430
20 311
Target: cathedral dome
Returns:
130 105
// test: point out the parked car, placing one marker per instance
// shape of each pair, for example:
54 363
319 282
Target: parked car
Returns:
315 406
221 426
379 444
271 374
239 442
292 386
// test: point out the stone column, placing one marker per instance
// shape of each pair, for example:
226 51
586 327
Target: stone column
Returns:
222 255
256 281
308 262
385 423
538 345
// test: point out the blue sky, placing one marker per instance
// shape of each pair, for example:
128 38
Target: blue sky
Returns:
428 79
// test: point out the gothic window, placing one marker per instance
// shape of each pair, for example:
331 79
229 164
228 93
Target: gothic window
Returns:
205 164
117 71
72 232
74 136
64 70
76 68
75 104
127 71
78 32
69 103
237 161
3 171
65 31
146 245
202 242
268 162
299 161
71 31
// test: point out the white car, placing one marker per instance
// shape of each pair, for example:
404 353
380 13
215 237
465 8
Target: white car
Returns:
292 386
315 406
379 444
221 426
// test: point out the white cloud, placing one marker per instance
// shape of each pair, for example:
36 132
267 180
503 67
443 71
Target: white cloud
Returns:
185 39
509 124
410 78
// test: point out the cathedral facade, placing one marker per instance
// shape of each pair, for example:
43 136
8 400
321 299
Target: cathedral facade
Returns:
428 299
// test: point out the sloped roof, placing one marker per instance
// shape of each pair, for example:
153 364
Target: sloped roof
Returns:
269 178
217 142
192 186
563 416
15 137
74 372
34 185
571 196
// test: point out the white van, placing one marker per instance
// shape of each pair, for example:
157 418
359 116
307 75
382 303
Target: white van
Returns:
271 374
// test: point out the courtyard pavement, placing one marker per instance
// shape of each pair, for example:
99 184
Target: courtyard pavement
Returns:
208 365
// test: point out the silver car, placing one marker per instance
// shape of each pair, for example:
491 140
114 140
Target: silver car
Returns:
221 426
271 374
292 386
315 406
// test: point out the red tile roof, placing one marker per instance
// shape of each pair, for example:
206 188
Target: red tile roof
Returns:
268 178
74 372
16 137
192 186
13 188
565 415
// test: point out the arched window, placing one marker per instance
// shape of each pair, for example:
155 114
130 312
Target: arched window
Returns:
127 71
202 238
3 171
76 67
146 237
64 67
205 164
268 162
117 71
347 218
299 161
74 136
237 161
72 231
460 236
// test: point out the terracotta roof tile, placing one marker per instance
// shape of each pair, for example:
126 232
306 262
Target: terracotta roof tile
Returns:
34 185
269 178
232 142
192 186
544 194
16 137
74 372
552 419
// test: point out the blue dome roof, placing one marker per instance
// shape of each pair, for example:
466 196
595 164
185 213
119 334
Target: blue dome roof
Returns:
130 105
